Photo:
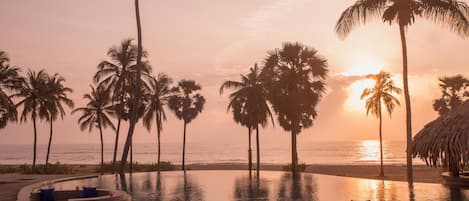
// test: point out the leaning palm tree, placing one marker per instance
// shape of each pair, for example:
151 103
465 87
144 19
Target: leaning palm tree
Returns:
10 81
186 105
118 74
96 114
157 97
451 13
134 115
251 95
31 95
53 105
381 94
295 77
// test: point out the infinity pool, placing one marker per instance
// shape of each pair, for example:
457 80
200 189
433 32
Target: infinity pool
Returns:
279 186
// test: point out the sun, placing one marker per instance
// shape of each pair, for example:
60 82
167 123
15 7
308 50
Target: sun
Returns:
363 66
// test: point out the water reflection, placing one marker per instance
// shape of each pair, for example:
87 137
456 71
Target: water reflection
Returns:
276 186
188 190
297 187
249 189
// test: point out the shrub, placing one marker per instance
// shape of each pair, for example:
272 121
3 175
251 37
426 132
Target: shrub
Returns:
56 168
137 167
301 167
9 169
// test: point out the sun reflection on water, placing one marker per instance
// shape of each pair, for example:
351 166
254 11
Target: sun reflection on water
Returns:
369 150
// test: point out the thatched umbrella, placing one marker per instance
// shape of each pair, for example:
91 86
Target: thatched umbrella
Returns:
444 142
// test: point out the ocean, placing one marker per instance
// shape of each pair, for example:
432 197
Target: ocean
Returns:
333 152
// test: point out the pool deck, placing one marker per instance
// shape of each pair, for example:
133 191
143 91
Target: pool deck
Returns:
10 184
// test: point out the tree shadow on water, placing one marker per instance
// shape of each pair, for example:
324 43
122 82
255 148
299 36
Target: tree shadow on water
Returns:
188 190
297 187
251 189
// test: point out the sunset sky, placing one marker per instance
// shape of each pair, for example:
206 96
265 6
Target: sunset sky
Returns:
211 41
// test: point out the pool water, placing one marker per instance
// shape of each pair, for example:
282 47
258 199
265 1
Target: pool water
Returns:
272 185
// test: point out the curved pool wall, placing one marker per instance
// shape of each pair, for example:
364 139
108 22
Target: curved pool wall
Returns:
272 185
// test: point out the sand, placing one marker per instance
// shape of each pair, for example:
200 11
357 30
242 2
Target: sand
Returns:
10 184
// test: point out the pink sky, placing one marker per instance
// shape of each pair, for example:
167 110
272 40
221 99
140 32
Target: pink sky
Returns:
211 41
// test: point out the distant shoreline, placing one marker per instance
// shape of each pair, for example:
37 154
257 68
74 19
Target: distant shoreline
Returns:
422 173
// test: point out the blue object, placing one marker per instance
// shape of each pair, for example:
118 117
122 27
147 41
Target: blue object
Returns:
47 194
90 192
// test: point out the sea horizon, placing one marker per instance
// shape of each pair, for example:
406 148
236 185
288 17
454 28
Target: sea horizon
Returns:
351 152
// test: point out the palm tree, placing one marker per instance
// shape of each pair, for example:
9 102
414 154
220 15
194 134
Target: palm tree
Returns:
451 13
10 80
96 114
455 90
118 74
381 94
157 96
249 103
32 94
186 105
53 106
134 116
295 78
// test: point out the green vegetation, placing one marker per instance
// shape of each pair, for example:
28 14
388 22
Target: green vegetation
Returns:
300 168
186 104
381 94
454 91
96 114
56 168
138 167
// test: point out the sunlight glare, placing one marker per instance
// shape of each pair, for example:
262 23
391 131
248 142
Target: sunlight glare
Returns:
353 103
364 66
369 150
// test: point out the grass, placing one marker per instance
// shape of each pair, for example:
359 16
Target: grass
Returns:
301 167
56 168
138 167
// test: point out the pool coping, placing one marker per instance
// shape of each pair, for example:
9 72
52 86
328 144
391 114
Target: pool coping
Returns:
25 192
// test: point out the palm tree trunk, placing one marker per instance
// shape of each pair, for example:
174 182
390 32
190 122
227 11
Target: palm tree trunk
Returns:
35 144
294 156
258 152
50 142
184 148
159 142
249 153
102 146
381 174
133 118
131 165
116 142
407 104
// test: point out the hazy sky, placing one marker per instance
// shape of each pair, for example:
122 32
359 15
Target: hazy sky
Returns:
211 41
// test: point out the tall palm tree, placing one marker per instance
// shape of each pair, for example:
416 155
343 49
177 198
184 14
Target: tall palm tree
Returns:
32 94
186 105
157 97
455 90
381 94
295 77
251 96
118 74
451 13
10 81
53 105
96 114
134 116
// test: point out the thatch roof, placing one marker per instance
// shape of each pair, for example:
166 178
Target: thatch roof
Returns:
445 141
